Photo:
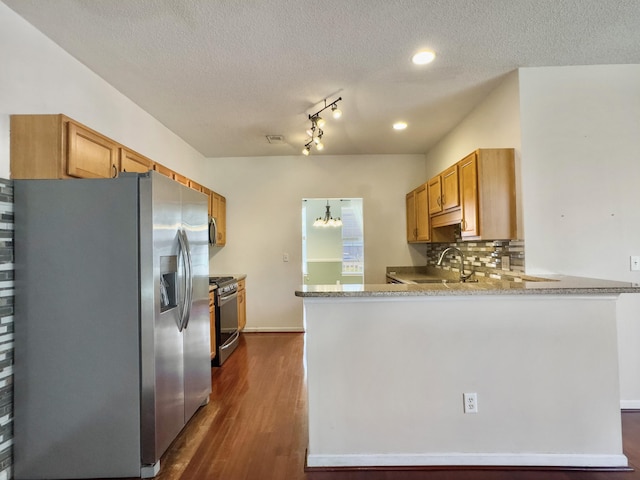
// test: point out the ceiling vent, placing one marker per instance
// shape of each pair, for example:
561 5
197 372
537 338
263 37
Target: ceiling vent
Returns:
275 139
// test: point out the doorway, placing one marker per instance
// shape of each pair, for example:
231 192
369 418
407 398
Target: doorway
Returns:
332 241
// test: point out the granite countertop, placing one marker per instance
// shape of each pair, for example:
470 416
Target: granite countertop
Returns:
237 276
550 285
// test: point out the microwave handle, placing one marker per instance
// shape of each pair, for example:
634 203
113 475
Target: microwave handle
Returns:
213 231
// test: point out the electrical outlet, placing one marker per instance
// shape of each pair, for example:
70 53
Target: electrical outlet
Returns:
470 402
635 263
285 257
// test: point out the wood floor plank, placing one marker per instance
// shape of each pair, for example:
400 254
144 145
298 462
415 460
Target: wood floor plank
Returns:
255 427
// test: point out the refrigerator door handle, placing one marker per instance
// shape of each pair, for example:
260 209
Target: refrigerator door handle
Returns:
185 304
189 298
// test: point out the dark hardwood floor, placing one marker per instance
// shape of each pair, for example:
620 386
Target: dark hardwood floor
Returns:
255 427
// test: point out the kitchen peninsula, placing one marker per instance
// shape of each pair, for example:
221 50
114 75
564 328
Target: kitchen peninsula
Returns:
388 365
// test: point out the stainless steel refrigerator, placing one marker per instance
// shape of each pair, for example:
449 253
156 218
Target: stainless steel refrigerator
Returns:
112 353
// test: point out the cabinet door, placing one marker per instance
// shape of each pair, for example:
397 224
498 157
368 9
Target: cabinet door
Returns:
207 192
167 172
90 155
422 214
435 201
469 196
181 179
134 162
195 186
222 220
450 198
242 305
411 217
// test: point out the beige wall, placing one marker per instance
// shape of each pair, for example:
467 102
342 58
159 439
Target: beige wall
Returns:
544 369
37 76
264 200
575 130
580 171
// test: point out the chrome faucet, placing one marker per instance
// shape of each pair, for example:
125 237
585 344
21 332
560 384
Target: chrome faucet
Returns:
463 276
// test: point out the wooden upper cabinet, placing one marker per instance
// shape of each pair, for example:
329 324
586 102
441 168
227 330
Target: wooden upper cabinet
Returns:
181 179
167 172
412 231
450 197
195 186
422 214
54 146
208 193
443 191
219 213
434 187
468 171
417 203
488 195
90 154
131 161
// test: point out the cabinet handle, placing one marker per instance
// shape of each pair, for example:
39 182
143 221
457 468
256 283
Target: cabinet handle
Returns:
438 202
115 171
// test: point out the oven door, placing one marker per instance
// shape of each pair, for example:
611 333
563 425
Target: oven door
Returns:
227 325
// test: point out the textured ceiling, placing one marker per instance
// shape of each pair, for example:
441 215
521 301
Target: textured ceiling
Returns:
223 74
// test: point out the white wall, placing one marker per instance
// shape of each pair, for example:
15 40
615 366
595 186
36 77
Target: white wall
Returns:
37 76
575 130
264 201
494 123
365 408
581 185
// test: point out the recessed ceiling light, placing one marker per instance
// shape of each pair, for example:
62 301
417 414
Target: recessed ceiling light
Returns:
423 57
399 125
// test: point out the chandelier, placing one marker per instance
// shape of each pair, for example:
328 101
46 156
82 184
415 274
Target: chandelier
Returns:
328 220
317 122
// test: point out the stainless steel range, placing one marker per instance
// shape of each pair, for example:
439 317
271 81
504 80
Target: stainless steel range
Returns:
226 308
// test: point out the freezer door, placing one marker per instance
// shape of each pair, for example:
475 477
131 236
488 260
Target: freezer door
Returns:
174 266
197 350
162 283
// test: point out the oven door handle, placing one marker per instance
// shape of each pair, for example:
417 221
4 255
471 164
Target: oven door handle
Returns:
231 340
227 298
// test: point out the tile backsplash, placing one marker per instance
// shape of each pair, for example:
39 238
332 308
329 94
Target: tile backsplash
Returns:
497 259
6 328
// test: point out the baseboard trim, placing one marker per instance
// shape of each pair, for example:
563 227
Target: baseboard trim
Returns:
466 460
273 330
630 404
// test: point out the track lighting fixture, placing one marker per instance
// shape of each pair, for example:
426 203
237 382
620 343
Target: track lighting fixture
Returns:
317 122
